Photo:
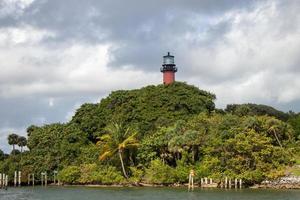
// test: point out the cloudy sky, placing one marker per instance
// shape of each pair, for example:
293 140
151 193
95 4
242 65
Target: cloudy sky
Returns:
56 55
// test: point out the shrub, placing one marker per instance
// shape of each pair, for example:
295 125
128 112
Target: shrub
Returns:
90 174
159 173
181 172
136 175
109 175
70 174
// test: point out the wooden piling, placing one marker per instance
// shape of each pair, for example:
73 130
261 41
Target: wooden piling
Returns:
19 178
229 182
42 179
15 179
191 180
241 183
226 182
5 180
55 179
46 179
0 180
235 183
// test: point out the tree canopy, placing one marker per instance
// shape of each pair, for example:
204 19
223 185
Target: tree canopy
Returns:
256 109
156 134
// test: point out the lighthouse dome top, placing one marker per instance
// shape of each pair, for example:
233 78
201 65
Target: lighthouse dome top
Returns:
168 59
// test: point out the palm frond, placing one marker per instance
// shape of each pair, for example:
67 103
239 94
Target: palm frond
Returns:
107 154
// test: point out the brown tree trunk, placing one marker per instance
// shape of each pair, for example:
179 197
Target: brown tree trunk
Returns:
275 134
122 164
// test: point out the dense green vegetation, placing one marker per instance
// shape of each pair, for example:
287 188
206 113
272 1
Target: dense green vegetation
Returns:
157 134
254 109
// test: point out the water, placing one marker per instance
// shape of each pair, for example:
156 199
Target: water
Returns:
82 193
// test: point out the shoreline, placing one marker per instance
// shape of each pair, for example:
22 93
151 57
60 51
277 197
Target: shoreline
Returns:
146 185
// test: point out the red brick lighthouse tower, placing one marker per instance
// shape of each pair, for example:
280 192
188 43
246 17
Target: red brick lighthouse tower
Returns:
168 69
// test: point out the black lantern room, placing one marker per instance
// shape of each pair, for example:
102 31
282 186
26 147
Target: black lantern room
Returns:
168 63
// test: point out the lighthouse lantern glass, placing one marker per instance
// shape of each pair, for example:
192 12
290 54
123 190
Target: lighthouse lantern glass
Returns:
168 60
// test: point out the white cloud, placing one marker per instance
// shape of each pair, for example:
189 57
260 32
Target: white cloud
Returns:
78 68
14 7
23 35
51 102
256 60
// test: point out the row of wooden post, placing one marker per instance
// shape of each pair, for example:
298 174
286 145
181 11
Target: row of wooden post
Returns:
3 180
31 179
206 181
17 178
238 183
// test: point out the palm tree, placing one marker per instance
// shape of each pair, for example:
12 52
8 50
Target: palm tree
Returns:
13 140
2 155
115 141
22 142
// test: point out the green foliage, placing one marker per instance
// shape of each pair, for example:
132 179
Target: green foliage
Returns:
109 175
256 109
15 152
136 175
22 142
181 172
70 174
118 139
159 173
209 167
88 154
54 146
90 174
144 109
295 171
175 127
13 140
2 155
294 121
252 156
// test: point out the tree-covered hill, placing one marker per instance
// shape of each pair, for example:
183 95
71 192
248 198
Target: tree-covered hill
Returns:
146 108
157 134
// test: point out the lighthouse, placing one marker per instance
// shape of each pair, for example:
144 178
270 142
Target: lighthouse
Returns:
168 69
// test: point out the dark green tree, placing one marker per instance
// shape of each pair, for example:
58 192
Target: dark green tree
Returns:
22 142
2 155
13 140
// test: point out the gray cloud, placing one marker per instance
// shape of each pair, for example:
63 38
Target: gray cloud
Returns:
141 30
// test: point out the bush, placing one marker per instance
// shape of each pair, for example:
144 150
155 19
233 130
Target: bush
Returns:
159 173
90 174
70 174
136 175
109 175
208 167
181 172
